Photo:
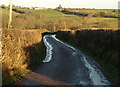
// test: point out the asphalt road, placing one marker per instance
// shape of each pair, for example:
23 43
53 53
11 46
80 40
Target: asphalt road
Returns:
67 66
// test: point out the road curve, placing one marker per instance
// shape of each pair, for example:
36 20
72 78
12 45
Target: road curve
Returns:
65 65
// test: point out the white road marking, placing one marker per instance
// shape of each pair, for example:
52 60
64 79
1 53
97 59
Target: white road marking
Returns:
95 75
63 42
48 50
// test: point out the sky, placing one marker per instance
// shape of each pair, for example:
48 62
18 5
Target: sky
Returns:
98 4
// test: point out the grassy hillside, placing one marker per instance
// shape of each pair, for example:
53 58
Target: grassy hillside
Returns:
100 45
97 10
36 19
52 19
22 51
110 13
96 18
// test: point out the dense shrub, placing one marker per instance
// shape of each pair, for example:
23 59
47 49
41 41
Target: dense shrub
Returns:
100 14
22 51
18 10
102 45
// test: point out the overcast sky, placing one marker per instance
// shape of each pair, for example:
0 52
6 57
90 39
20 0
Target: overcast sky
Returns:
104 4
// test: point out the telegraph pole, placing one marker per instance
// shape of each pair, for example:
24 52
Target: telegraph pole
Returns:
10 15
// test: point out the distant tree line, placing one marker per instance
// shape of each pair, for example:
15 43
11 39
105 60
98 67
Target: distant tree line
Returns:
99 14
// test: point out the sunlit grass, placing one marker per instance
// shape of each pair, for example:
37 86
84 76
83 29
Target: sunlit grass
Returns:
33 19
94 10
6 11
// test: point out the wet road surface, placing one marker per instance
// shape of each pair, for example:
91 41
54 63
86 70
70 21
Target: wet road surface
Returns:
67 66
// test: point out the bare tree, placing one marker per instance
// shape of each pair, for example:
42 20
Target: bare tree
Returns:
10 15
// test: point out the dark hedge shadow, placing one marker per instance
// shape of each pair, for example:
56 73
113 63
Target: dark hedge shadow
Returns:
35 54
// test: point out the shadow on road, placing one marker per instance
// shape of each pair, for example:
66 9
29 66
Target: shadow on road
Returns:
35 54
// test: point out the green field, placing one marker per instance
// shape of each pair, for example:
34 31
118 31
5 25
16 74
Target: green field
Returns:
94 10
48 19
97 11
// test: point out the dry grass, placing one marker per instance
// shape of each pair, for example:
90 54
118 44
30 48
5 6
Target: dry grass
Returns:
45 19
15 59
